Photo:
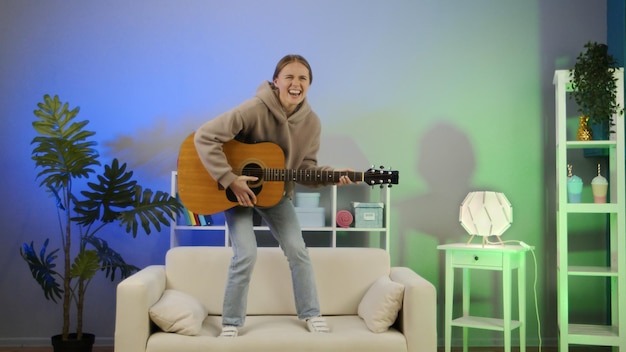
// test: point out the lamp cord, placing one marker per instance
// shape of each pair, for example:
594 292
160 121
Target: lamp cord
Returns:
532 251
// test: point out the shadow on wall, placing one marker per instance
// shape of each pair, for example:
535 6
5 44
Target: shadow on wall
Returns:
446 162
152 151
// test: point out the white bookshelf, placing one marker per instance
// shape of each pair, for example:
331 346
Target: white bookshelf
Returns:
612 275
334 199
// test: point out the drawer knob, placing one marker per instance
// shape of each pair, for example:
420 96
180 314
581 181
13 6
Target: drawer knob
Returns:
476 258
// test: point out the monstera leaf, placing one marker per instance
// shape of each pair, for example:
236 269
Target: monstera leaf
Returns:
62 149
148 210
110 260
113 193
86 265
42 267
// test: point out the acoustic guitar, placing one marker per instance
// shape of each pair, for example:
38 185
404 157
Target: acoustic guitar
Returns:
201 194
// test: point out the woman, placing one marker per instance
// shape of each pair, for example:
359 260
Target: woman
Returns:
279 113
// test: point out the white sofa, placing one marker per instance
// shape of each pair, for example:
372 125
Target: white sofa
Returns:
345 277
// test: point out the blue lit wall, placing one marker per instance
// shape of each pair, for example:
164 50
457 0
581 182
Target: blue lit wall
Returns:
455 94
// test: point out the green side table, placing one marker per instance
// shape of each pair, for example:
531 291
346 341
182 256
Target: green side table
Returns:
504 258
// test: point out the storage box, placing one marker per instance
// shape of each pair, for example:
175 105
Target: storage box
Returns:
368 214
311 217
307 199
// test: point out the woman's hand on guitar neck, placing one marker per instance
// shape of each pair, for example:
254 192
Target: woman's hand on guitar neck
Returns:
239 187
344 179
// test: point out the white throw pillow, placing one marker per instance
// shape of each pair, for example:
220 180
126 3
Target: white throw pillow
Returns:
381 303
178 312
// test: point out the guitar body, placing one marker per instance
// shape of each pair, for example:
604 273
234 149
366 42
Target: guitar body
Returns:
201 194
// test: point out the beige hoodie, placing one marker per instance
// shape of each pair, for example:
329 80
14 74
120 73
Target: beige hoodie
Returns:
261 119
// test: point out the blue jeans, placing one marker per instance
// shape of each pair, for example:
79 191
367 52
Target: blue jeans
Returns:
284 225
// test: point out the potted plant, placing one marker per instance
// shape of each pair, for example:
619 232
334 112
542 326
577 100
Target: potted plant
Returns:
64 152
594 86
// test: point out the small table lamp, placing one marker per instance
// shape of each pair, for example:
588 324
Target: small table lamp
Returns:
485 214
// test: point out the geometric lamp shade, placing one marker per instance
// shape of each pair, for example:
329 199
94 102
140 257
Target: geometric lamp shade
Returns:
486 213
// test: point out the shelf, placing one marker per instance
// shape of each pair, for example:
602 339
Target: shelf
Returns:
483 323
592 271
587 334
360 229
592 208
266 228
200 228
610 280
591 144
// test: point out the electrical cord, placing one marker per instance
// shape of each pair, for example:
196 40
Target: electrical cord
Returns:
532 251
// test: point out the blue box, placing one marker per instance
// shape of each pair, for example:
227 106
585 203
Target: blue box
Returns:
368 214
311 216
307 199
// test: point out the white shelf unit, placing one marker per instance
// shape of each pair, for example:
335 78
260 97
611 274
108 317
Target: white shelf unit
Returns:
613 273
383 196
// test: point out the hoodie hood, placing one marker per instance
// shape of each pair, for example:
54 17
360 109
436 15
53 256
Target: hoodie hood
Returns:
268 94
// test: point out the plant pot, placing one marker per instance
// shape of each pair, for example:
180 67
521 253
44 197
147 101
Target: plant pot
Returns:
72 344
599 132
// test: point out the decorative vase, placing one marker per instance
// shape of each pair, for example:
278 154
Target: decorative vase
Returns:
584 132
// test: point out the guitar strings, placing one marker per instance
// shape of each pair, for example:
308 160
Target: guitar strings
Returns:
293 174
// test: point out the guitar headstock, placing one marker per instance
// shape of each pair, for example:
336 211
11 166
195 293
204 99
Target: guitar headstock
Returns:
380 177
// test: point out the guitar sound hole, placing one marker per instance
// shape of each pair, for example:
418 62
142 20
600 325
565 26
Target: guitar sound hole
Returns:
254 170
256 186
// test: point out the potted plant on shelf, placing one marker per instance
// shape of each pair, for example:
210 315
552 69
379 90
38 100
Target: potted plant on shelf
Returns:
64 152
595 88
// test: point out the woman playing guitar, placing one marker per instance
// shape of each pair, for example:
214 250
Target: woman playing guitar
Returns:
278 113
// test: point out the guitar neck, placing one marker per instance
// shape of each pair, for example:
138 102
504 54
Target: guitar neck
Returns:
306 176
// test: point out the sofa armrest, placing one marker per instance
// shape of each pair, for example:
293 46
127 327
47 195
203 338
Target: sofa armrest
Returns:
418 317
135 295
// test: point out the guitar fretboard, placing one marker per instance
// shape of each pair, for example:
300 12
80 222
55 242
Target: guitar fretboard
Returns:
309 176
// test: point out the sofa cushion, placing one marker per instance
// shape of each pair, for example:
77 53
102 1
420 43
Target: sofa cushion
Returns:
380 305
178 312
279 333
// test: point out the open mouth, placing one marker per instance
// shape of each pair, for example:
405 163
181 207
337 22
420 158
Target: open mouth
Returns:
295 92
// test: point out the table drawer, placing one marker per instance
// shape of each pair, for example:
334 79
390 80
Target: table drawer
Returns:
478 258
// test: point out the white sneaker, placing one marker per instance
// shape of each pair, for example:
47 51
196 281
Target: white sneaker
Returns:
317 325
229 331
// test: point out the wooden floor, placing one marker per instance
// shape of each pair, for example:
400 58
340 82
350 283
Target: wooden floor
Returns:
440 349
49 349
